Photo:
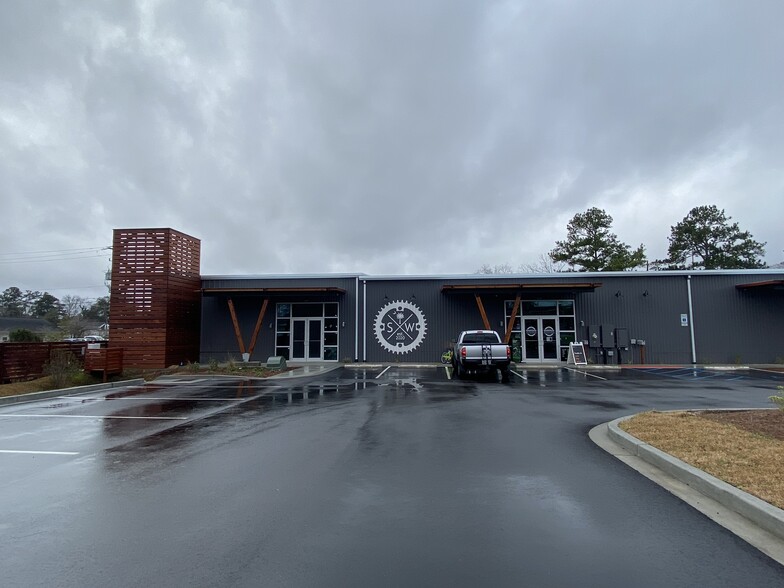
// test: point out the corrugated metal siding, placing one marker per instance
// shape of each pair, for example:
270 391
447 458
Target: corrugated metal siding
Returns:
654 318
737 326
730 325
218 340
446 316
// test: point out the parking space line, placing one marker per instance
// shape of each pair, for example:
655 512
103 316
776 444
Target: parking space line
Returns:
383 372
87 416
39 452
585 373
524 378
144 398
768 371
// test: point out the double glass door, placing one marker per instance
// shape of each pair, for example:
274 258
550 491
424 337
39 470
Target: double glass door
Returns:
307 338
540 335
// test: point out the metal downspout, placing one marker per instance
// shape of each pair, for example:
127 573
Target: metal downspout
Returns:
356 319
691 320
364 320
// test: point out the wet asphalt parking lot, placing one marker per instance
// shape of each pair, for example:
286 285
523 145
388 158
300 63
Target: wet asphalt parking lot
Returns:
360 477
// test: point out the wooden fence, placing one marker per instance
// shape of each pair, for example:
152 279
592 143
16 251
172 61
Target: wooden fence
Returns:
21 361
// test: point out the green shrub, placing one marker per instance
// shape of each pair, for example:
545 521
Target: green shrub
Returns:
62 367
778 399
23 336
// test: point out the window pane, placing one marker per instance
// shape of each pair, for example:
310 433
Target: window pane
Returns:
284 325
308 310
509 307
539 307
284 310
331 309
331 324
282 340
566 323
331 353
567 338
282 352
330 338
566 307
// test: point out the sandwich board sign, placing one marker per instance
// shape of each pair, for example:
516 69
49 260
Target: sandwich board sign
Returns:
577 354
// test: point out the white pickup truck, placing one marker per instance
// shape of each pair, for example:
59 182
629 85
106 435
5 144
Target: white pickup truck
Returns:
481 352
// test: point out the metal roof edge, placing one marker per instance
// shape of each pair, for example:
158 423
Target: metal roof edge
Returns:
480 277
579 275
280 276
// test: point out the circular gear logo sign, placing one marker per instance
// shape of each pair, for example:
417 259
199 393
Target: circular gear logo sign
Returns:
400 326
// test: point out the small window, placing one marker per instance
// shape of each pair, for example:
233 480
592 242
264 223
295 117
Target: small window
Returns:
308 310
331 309
284 310
566 307
566 323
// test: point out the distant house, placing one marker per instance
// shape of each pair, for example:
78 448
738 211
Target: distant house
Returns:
38 326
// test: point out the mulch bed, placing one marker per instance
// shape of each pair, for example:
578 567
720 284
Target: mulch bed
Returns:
769 423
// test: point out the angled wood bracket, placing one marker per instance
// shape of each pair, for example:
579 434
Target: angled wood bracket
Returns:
510 325
236 324
482 312
238 333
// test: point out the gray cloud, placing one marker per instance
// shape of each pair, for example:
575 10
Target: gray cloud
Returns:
385 138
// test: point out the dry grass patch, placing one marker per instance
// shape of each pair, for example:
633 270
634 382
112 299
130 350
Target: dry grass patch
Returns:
748 460
37 385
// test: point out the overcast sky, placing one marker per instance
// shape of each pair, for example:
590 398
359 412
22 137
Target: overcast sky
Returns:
379 137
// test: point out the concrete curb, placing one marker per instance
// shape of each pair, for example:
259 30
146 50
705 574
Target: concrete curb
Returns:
33 396
758 511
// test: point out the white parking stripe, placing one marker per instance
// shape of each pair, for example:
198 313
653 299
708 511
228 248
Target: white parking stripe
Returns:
87 416
382 373
39 452
586 373
152 398
768 371
525 379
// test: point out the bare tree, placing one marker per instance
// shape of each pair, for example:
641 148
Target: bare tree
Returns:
73 305
544 265
501 268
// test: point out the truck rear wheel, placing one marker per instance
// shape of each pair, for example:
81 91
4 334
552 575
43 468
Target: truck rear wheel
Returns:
504 374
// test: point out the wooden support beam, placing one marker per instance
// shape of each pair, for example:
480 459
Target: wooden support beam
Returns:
482 312
236 327
258 326
510 326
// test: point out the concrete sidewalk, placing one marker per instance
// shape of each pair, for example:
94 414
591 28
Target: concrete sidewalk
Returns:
753 520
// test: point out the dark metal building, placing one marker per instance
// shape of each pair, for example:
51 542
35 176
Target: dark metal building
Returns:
622 317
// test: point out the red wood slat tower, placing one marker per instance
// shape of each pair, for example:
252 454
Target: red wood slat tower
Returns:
155 300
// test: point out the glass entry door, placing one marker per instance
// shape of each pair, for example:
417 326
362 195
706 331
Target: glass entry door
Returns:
541 338
306 340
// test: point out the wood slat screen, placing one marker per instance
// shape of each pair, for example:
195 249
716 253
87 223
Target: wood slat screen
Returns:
155 301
